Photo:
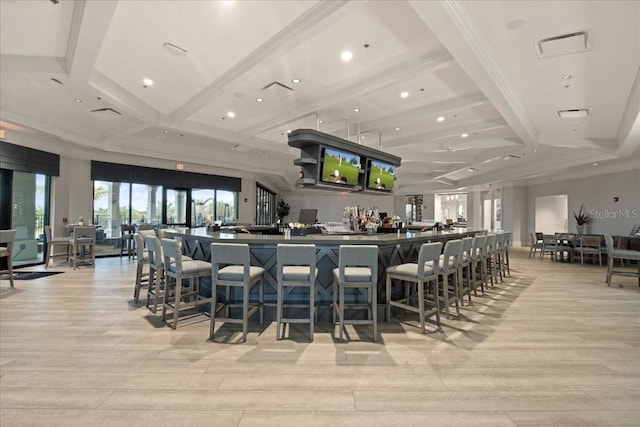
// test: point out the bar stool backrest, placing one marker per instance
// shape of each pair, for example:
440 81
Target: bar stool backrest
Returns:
488 250
429 253
296 255
81 234
358 256
230 254
608 240
451 256
137 238
154 249
171 250
479 243
465 250
507 241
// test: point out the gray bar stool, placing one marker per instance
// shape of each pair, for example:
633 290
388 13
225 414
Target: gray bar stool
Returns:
296 269
464 263
7 237
423 273
231 267
177 269
142 265
357 269
156 270
477 265
449 267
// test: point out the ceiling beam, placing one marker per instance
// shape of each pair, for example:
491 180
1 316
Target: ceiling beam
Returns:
629 131
89 26
32 64
290 36
451 23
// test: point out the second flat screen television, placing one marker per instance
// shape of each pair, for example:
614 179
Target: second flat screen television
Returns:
381 176
339 167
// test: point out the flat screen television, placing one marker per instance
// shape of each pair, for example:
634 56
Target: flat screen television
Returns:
339 167
381 176
308 216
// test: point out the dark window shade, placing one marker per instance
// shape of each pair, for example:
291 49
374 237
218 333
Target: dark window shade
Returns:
101 171
18 158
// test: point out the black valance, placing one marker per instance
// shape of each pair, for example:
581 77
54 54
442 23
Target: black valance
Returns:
24 159
114 172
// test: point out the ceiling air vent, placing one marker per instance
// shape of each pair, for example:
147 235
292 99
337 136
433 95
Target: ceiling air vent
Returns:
573 114
106 113
564 44
277 90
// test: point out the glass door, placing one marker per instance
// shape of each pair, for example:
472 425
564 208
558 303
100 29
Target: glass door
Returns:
176 207
30 212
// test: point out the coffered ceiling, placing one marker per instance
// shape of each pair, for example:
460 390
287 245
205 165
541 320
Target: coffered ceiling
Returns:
496 73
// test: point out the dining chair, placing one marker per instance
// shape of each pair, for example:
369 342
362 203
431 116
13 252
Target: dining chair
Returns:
590 245
142 266
621 254
537 240
53 243
82 246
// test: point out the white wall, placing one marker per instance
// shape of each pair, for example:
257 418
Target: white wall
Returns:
330 204
551 214
597 193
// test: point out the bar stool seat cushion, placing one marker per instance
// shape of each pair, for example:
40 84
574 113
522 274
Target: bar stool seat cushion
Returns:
410 270
192 267
627 254
355 274
236 273
83 240
296 273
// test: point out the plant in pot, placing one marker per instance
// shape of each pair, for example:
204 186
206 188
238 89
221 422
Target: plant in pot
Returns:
581 218
282 210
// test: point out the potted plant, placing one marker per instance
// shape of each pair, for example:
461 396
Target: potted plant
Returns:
581 218
282 210
80 220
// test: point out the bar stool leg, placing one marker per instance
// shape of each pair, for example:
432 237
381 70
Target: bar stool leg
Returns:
374 309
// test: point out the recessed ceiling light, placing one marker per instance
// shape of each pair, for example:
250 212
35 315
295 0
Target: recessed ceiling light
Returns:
356 109
78 100
165 131
231 114
362 137
535 150
472 169
464 135
397 128
296 80
288 130
147 82
567 77
346 56
259 99
404 94
440 119
595 164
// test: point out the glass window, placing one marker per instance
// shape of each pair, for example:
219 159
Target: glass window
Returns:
202 212
265 206
226 203
146 201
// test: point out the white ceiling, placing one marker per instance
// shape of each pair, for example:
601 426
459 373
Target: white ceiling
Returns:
456 59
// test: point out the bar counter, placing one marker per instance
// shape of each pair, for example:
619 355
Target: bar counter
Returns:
393 249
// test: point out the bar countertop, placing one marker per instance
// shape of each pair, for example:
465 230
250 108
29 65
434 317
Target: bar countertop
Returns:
323 239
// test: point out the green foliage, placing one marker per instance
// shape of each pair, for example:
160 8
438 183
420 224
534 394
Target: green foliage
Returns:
581 217
283 209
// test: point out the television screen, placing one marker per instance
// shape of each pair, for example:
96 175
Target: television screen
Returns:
381 176
340 167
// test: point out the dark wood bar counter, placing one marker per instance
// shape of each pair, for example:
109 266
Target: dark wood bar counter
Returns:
393 249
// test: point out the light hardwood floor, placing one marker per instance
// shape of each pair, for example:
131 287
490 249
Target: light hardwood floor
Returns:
553 345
